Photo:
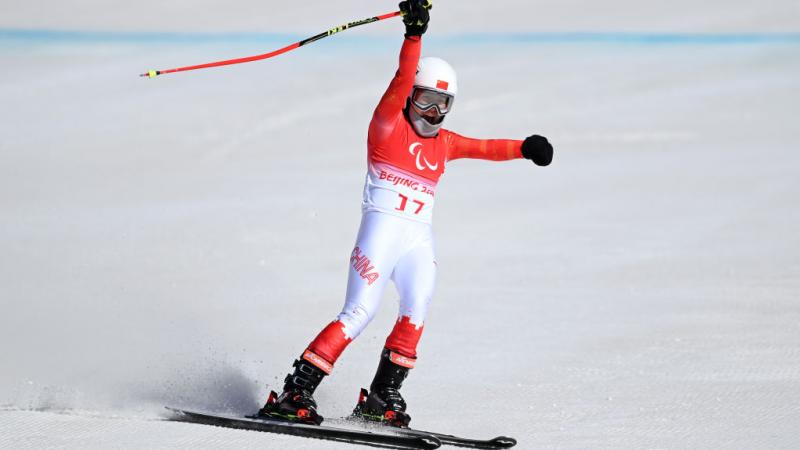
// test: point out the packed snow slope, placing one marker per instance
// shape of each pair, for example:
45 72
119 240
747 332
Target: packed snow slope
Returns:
178 241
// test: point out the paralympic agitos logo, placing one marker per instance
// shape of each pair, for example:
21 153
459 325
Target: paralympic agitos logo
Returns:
415 149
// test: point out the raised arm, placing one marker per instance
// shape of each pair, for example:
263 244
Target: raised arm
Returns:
535 148
390 108
394 99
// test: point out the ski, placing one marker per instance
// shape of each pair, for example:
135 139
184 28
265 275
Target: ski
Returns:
445 439
382 440
457 441
374 422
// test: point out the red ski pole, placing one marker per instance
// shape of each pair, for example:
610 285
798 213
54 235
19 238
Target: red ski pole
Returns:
228 62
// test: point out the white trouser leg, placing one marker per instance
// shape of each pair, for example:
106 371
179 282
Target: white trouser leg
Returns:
415 279
379 246
387 247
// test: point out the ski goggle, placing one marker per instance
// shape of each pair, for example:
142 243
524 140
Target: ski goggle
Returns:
426 99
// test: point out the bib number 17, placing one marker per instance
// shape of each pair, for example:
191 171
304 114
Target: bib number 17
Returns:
404 203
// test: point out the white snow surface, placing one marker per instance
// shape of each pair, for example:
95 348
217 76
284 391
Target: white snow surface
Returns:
178 241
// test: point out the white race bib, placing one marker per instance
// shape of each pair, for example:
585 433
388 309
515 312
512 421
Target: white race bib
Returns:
393 191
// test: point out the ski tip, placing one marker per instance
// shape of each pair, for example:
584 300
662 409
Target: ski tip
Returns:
175 413
504 442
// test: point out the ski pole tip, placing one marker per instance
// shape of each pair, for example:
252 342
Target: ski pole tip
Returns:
150 74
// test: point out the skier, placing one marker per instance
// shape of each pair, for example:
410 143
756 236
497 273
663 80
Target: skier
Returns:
407 152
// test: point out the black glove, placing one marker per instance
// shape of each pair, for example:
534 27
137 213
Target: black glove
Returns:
537 149
416 16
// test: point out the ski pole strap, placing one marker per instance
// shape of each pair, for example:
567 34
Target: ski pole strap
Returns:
228 62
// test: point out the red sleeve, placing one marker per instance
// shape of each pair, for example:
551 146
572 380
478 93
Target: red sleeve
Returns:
491 149
394 100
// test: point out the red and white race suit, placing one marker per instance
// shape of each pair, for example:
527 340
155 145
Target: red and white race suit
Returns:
395 240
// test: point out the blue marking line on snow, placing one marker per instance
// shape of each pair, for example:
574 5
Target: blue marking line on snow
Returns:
133 37
100 37
635 38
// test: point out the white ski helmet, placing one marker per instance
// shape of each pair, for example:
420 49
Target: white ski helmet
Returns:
433 95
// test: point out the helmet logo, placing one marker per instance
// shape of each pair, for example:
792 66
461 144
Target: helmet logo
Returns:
416 150
441 84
